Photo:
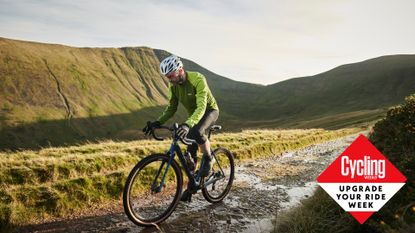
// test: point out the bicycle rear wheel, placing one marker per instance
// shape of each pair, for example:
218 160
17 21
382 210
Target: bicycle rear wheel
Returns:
146 201
222 175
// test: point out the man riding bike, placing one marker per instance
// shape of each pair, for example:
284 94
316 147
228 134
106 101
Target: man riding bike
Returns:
190 89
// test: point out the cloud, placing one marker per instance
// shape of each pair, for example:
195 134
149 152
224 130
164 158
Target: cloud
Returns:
256 41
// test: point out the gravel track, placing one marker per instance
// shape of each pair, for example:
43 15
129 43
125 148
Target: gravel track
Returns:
262 190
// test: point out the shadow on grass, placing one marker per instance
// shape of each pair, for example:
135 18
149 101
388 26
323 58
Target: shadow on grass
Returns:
128 126
118 127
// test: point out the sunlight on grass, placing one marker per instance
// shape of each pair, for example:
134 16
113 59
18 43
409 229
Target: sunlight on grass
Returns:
63 180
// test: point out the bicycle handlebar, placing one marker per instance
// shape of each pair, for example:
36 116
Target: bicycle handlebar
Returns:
186 141
155 136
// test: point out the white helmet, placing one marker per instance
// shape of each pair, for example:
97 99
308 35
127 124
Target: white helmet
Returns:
169 64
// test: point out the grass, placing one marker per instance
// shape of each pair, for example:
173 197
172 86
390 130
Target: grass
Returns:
60 181
319 214
394 136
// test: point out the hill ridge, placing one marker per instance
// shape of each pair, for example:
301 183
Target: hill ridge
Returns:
88 93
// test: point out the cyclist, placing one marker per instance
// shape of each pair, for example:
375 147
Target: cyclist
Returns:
190 89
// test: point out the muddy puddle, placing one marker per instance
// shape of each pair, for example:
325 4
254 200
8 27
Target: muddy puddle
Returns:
262 190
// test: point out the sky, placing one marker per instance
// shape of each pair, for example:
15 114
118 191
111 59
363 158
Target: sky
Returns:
262 41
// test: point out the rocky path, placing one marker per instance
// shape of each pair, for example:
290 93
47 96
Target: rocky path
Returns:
262 190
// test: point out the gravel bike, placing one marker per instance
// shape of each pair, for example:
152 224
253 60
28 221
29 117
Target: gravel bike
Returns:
154 186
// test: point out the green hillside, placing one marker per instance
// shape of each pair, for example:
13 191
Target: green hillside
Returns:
360 90
371 84
55 95
59 94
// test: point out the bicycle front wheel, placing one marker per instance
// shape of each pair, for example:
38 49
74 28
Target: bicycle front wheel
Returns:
148 197
219 182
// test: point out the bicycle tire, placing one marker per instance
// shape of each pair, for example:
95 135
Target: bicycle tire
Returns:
208 194
128 207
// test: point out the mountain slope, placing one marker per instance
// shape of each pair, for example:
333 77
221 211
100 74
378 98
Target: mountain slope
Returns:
55 94
78 81
370 84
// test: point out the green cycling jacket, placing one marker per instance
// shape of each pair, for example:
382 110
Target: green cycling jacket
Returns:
195 96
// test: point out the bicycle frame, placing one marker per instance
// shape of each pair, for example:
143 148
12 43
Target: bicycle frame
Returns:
194 180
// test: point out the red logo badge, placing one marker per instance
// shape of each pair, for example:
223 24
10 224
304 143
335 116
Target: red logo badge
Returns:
361 180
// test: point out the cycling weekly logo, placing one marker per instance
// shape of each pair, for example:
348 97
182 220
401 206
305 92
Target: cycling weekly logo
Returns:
361 180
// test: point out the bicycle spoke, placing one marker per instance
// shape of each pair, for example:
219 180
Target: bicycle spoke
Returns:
218 184
149 198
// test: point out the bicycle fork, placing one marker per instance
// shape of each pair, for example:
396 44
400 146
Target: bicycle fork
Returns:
157 188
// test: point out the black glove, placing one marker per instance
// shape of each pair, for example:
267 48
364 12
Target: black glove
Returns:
150 126
183 130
